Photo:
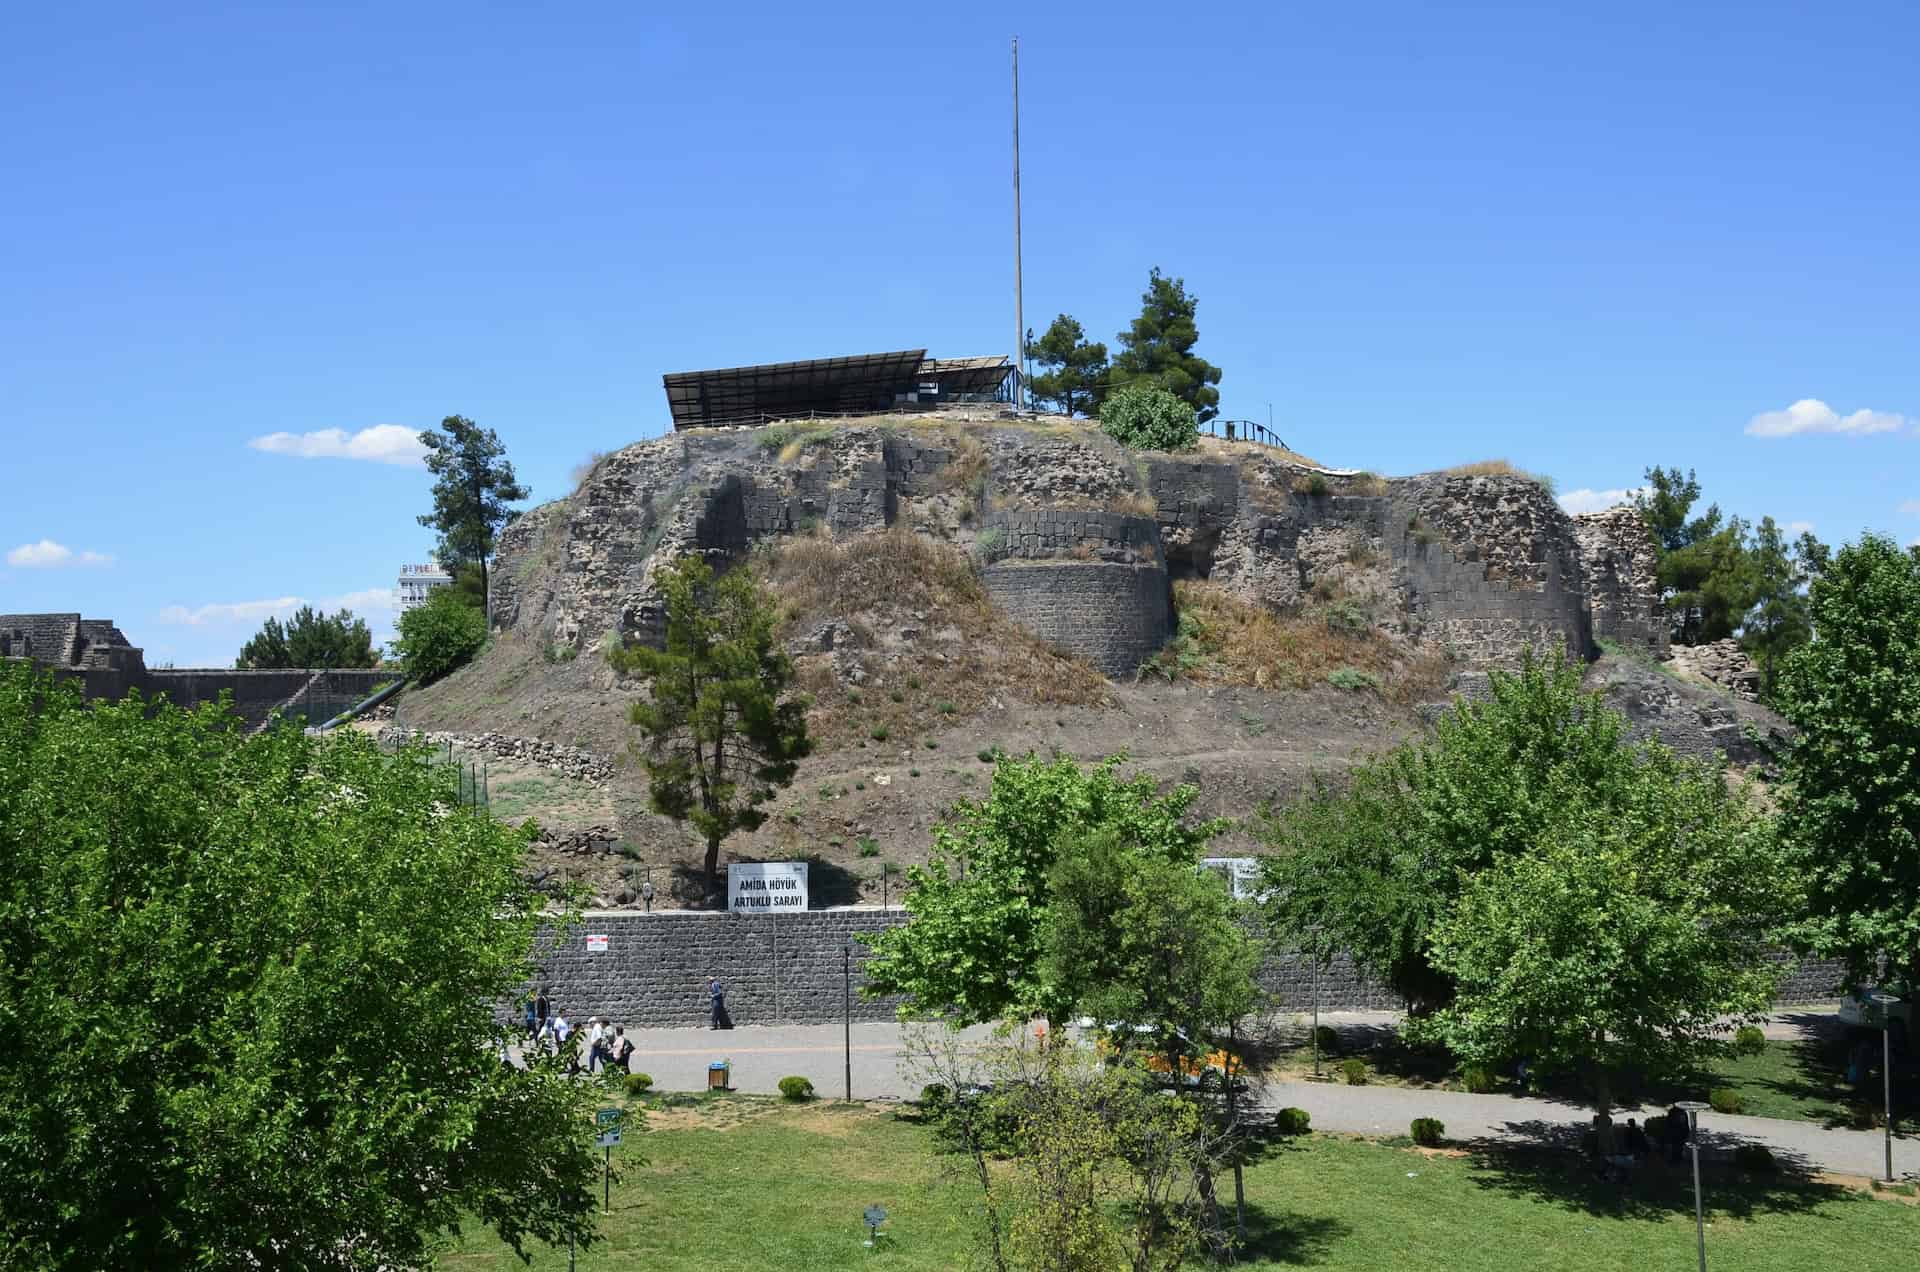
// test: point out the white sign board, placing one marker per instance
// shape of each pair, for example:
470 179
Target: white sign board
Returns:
767 887
596 943
1241 873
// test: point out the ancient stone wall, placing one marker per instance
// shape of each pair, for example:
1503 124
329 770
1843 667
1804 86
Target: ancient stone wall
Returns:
568 761
1114 615
654 970
257 694
1623 585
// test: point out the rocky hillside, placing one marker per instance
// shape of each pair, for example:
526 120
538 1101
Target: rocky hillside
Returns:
1238 616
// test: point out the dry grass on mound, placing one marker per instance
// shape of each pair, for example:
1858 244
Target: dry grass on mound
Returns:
1225 640
1499 468
928 639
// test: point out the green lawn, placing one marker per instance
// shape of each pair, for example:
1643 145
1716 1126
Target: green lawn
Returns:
751 1184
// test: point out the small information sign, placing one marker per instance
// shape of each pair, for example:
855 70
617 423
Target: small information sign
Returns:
596 942
608 1120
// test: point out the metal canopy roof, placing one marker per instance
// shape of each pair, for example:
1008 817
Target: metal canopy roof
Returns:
729 395
967 375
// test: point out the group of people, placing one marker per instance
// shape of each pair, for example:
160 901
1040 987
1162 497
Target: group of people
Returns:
607 1046
1621 1149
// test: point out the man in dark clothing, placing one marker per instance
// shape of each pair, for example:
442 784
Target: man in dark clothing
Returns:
542 1009
1676 1133
717 996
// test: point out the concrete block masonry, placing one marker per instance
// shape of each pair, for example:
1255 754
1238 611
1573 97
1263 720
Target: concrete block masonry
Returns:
654 969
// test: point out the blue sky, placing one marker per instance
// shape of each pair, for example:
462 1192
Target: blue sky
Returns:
1424 234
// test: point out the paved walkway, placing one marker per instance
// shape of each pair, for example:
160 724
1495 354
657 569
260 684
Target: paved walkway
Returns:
762 1055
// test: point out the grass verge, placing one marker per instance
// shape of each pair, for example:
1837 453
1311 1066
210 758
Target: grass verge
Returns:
742 1183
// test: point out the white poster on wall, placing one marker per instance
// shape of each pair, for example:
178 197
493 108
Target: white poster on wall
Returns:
767 887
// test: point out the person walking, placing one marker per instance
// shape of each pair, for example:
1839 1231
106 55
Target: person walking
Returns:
532 1023
717 999
595 1033
542 1011
622 1049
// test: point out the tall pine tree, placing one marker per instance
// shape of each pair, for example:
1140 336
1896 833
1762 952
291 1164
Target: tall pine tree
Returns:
473 484
1157 350
1076 370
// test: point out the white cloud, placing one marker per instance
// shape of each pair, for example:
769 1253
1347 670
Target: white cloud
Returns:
1910 508
1799 527
223 613
1811 415
48 555
382 443
1578 501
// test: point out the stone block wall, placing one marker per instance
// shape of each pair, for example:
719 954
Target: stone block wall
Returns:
1623 586
654 972
256 694
1034 534
788 969
1114 615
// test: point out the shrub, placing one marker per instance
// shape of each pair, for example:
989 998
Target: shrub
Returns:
796 1089
897 696
1352 679
1428 1131
1316 485
1354 1072
984 755
1327 1038
438 636
913 772
1755 1158
638 1083
869 847
1749 1041
1477 1078
945 708
1149 419
531 829
1725 1100
878 733
932 745
935 1096
1292 1121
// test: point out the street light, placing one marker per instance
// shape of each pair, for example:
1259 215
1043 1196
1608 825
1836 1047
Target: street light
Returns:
1885 1002
1693 1110
846 1008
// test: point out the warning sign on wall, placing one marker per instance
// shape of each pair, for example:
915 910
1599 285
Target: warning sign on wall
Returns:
596 942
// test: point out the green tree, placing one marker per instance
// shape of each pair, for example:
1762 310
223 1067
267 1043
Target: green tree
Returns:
473 484
1149 419
1779 621
439 635
1706 570
718 734
1621 935
975 950
1156 351
1076 370
309 639
470 585
251 1017
1851 805
1376 865
1147 939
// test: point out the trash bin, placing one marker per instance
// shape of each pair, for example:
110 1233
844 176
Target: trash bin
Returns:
719 1075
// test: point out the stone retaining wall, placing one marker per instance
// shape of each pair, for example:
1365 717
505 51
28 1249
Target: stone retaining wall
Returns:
1115 616
789 969
568 761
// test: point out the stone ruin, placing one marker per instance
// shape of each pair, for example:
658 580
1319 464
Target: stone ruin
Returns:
1080 540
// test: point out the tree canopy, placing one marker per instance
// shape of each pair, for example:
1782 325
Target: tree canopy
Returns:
981 905
1724 577
1076 370
250 984
719 733
440 634
1851 805
309 639
1374 866
1156 350
472 488
1625 936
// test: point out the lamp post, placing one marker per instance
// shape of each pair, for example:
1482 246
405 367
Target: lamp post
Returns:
1693 1109
846 1008
1885 1002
